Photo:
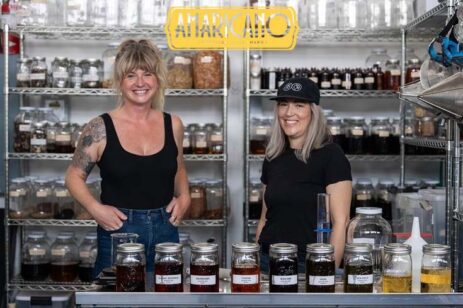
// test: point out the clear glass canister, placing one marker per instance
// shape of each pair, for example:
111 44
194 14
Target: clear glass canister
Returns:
320 268
245 267
168 268
43 198
130 267
75 74
204 267
39 72
413 70
377 58
352 14
65 205
338 131
128 13
215 139
87 254
397 268
200 145
283 268
357 136
39 137
392 74
255 198
198 199
76 133
380 133
64 259
436 268
363 194
425 127
214 199
180 70
23 129
23 73
358 268
63 138
208 69
35 262
97 12
77 12
60 72
368 227
19 199
109 57
260 131
91 73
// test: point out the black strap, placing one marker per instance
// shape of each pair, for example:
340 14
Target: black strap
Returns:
452 22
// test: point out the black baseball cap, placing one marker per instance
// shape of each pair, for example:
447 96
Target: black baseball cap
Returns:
299 88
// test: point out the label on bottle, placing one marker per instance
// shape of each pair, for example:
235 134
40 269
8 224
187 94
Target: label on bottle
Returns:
321 280
203 280
216 138
271 80
383 133
357 132
284 280
364 240
261 131
62 193
195 195
395 72
169 279
415 74
360 279
41 194
63 138
325 85
58 252
358 80
369 80
181 60
335 130
63 75
37 252
255 83
363 197
38 142
336 82
314 79
15 194
206 59
254 197
22 77
38 76
186 143
84 254
245 279
201 144
25 128
347 84
408 130
90 77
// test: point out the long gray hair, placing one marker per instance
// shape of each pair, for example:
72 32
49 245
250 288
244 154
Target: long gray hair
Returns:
317 135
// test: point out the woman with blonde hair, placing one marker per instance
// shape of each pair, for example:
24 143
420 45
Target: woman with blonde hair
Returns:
301 162
138 149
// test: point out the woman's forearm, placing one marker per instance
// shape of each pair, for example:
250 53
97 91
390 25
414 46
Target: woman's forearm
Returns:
338 239
79 190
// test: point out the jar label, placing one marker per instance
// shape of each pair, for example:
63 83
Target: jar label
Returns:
169 279
261 131
369 80
37 252
206 59
201 144
63 138
41 194
182 60
408 130
360 279
364 240
38 76
186 143
14 194
255 83
84 254
58 252
358 80
90 77
254 198
25 128
325 84
284 280
62 193
321 280
336 82
383 133
64 75
363 197
245 279
203 280
347 84
216 138
357 132
35 141
22 77
416 74
195 195
335 130
395 72
314 79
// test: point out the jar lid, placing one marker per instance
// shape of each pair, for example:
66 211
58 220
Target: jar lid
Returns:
410 182
320 248
64 236
213 182
204 247
358 247
18 180
356 118
414 61
256 56
283 248
386 182
393 61
334 119
431 182
36 235
380 119
255 181
61 59
436 249
37 58
91 236
368 210
92 60
41 232
41 181
397 248
245 247
26 108
364 181
24 60
196 182
379 50
113 44
168 247
131 247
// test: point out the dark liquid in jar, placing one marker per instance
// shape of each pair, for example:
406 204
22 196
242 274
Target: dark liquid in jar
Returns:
86 272
34 271
379 145
64 271
63 148
356 145
248 270
22 139
386 206
393 81
43 210
394 144
164 269
258 147
340 140
319 269
255 209
282 267
205 270
188 150
130 278
201 151
355 271
217 149
64 214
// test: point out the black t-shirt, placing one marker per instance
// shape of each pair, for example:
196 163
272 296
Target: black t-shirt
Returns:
291 193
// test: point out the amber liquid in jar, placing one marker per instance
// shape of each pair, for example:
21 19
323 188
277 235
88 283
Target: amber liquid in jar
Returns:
130 278
64 271
392 81
358 279
321 276
204 278
201 151
283 275
86 273
258 147
34 271
379 145
168 277
188 150
245 278
397 284
435 280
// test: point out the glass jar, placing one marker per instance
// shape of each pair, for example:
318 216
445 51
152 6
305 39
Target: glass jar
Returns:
130 267
179 70
411 186
23 73
338 131
392 75
397 268
204 268
215 140
363 194
358 268
35 262
32 13
75 74
75 136
320 268
386 192
64 259
200 145
39 137
380 132
63 138
43 198
187 142
352 14
109 57
356 136
436 269
260 131
51 130
377 58
255 64
326 11
402 12
39 72
198 200
18 193
283 268
60 72
77 13
394 138
214 199
413 70
87 254
425 127
379 14
208 69
128 13
23 129
97 13
368 227
91 73
255 199
168 268
65 205
245 272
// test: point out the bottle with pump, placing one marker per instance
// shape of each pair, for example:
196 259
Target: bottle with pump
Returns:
417 243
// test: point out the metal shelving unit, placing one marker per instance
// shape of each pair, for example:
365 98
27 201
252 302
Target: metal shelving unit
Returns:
18 283
57 156
373 158
92 223
335 93
111 92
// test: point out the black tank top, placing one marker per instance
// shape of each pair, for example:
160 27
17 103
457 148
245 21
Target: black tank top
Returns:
133 181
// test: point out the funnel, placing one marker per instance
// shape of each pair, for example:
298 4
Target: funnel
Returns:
432 73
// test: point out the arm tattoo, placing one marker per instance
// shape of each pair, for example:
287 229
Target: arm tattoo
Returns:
93 132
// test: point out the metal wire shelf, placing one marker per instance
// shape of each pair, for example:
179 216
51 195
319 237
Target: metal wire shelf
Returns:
372 158
458 216
92 223
18 283
203 223
426 142
433 18
111 92
57 156
335 93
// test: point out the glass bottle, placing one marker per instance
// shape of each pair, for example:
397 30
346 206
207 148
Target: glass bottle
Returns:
39 71
43 199
380 133
260 130
77 13
75 74
23 73
35 262
60 68
187 142
128 13
358 268
413 70
363 194
214 199
198 199
87 255
336 81
18 192
64 259
200 145
39 137
109 56
168 267
91 73
379 80
313 75
63 138
346 82
320 268
245 273
325 79
204 268
65 205
326 10
397 268
215 140
386 192
338 131
359 81
392 74
51 130
255 199
369 79
379 14
130 267
283 268
436 269
356 136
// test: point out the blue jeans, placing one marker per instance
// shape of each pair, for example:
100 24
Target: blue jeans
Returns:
152 227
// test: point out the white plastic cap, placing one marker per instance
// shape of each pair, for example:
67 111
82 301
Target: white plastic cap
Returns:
369 210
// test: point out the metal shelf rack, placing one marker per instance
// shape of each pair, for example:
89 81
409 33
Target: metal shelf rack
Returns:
335 93
373 158
92 223
18 283
111 92
57 156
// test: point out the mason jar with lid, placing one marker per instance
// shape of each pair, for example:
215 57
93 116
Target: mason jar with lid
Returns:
23 129
392 74
60 72
245 272
198 200
320 268
87 254
109 57
204 267
283 268
75 74
91 73
356 136
436 269
65 205
397 268
200 145
130 267
168 268
43 197
23 73
215 139
260 131
39 137
386 192
214 199
39 72
35 262
18 198
358 268
380 133
338 131
64 258
179 70
363 194
255 198
63 138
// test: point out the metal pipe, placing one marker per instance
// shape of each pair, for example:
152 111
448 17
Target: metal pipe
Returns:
225 158
247 120
6 43
402 113
456 203
449 181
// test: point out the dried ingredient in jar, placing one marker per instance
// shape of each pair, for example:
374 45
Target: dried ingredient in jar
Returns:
39 139
198 202
358 279
180 73
22 138
207 70
321 276
130 278
283 275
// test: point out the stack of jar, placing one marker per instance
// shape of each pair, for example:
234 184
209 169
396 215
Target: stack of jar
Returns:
63 261
206 199
201 139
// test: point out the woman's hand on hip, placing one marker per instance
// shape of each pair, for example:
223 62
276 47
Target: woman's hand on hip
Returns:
177 207
108 217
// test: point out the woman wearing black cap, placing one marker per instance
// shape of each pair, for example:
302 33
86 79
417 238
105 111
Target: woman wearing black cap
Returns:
301 162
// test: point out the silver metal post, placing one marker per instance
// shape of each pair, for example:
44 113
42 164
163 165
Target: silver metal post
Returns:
402 112
225 158
6 43
456 203
247 120
449 182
